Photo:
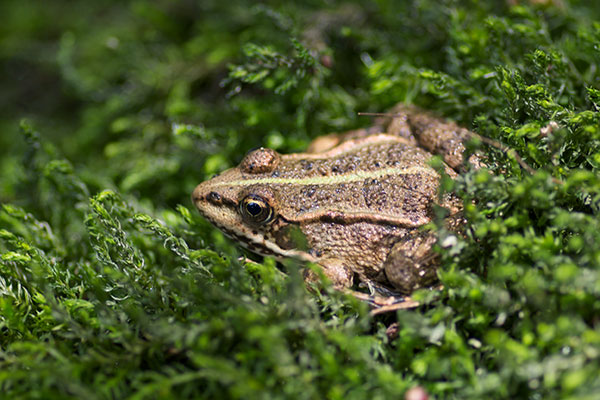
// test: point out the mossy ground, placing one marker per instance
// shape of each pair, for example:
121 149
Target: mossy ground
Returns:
113 287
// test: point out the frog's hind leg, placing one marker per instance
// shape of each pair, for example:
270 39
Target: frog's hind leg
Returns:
437 135
411 263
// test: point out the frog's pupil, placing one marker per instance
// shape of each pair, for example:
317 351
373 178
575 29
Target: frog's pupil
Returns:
253 208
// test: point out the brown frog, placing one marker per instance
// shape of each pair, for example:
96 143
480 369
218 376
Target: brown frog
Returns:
359 200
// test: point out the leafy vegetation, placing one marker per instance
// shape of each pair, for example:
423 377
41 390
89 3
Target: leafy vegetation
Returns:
111 285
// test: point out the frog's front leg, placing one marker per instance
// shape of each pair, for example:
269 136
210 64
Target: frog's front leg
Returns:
336 270
341 276
411 263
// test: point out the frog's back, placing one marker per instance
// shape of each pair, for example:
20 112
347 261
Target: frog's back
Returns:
379 176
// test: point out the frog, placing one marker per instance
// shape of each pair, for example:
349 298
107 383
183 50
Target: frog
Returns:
355 203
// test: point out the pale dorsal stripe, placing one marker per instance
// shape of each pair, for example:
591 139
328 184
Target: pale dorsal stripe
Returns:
354 176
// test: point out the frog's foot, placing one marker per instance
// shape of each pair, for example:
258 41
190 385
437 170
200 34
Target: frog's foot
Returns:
377 289
381 299
381 305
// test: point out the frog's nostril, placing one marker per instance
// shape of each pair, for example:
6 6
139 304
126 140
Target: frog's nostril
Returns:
197 195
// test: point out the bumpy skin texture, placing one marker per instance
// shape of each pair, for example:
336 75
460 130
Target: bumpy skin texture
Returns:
357 199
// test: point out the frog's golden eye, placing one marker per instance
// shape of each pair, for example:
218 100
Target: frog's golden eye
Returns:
255 209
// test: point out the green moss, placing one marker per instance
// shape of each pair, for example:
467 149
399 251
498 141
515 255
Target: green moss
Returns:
111 285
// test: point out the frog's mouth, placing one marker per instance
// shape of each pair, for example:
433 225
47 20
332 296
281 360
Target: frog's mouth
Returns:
258 243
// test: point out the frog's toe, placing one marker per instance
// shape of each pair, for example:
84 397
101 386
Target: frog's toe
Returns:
377 289
381 305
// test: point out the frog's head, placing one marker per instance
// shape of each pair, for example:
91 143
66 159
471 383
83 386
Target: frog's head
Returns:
242 204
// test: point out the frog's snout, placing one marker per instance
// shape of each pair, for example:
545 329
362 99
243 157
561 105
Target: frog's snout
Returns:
200 194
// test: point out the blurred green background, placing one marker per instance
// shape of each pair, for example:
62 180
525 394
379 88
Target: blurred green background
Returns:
111 112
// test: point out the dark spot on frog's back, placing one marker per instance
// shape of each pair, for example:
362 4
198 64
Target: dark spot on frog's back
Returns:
315 253
306 165
323 170
374 193
309 191
341 167
214 197
260 161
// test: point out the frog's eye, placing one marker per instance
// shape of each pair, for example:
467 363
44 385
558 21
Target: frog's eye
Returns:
256 210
